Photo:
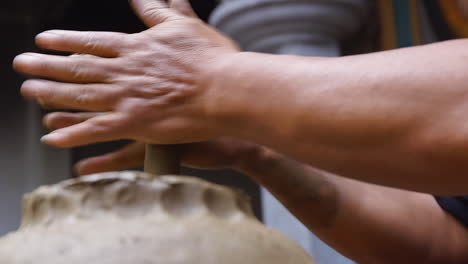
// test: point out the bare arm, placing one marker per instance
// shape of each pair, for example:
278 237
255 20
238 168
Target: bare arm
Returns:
365 222
394 118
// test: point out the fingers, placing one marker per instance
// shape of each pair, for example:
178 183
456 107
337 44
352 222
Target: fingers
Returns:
218 154
103 128
103 44
78 69
152 12
130 156
87 97
184 7
59 120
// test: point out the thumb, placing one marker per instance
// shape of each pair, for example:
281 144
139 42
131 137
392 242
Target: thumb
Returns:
184 7
152 12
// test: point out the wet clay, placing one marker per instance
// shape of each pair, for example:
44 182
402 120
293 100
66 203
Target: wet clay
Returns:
129 218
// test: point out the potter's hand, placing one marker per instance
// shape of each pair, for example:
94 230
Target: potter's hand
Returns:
217 154
152 85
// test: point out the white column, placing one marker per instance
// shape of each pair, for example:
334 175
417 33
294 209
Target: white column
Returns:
299 27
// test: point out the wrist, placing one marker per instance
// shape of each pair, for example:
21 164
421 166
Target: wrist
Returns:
249 93
260 163
228 100
247 160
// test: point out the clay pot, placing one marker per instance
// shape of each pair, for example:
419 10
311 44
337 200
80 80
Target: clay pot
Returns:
128 218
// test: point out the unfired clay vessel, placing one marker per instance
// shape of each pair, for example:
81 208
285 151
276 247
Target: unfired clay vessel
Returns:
129 218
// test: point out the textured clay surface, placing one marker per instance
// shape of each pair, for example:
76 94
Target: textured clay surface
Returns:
128 218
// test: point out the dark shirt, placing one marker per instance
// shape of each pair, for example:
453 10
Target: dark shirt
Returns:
457 206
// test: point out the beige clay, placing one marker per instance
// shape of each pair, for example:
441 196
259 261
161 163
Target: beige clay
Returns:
128 218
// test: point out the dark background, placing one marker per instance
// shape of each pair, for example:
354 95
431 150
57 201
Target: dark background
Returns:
21 20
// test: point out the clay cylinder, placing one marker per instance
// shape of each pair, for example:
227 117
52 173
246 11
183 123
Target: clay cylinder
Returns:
129 218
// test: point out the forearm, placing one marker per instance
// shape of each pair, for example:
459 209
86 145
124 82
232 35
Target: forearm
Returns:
368 223
395 118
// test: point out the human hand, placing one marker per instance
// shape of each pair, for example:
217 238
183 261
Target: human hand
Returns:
151 86
222 153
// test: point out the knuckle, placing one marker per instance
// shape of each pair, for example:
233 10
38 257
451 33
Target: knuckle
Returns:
89 41
42 67
83 98
77 70
88 97
102 125
119 38
47 98
84 69
157 13
44 91
136 43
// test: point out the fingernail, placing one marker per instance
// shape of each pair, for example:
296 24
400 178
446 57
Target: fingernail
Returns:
25 58
51 137
31 88
36 84
48 35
